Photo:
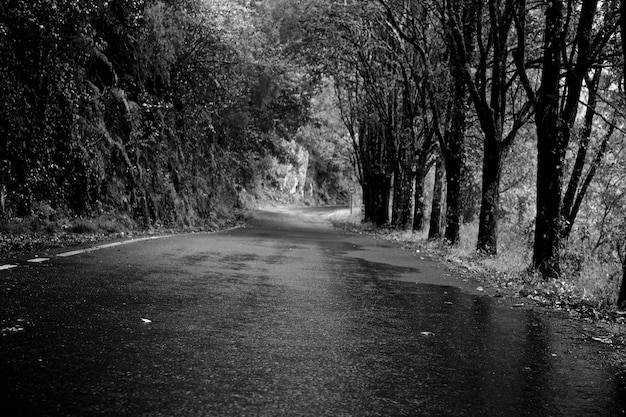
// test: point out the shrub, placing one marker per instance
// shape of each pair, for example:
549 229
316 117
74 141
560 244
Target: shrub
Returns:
83 226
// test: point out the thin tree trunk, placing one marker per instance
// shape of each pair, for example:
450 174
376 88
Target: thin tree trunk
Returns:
396 202
418 205
406 219
622 25
434 230
621 299
572 212
401 207
490 202
368 201
581 156
381 192
453 201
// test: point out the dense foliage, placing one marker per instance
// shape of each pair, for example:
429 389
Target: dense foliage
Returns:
163 110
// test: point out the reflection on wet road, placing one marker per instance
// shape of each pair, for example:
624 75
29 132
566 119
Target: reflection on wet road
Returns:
285 317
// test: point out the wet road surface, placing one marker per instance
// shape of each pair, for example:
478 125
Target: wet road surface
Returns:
285 317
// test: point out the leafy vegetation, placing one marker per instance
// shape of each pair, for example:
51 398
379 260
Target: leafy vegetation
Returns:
162 111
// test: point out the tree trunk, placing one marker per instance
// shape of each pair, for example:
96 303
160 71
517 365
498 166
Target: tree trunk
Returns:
380 191
546 258
403 191
490 201
580 195
453 143
368 205
573 186
550 159
406 209
622 25
418 205
453 150
621 299
453 201
621 252
403 185
550 150
397 196
434 230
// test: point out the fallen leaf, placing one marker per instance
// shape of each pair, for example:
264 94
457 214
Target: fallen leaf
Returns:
13 329
518 305
145 320
605 340
427 333
481 289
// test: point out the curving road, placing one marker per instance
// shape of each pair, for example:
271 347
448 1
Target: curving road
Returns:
285 317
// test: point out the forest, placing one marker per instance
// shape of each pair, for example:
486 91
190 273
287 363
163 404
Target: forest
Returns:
499 119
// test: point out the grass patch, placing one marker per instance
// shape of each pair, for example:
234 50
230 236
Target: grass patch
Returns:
29 224
50 229
83 226
599 282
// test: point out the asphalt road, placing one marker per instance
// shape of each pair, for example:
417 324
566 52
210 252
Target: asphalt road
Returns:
285 317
